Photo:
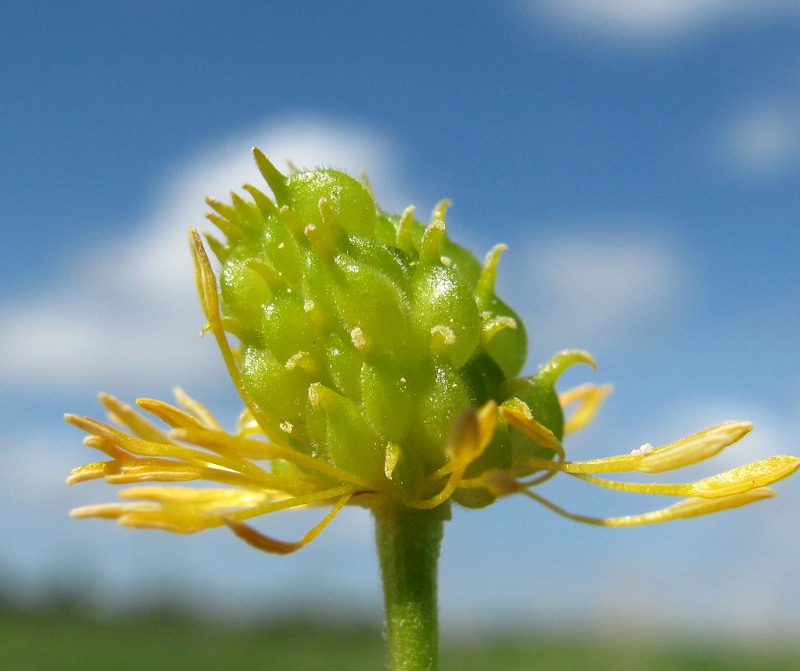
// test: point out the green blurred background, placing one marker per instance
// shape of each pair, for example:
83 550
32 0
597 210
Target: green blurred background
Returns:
65 635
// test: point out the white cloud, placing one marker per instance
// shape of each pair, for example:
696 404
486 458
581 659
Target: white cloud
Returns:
596 289
648 20
762 139
127 310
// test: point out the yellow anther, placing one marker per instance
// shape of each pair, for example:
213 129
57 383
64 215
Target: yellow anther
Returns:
528 426
588 398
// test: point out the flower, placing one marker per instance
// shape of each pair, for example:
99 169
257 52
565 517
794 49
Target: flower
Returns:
378 368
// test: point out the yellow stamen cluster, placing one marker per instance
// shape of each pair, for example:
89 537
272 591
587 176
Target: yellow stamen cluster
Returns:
196 448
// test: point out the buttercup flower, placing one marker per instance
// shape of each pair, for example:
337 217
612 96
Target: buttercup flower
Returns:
378 368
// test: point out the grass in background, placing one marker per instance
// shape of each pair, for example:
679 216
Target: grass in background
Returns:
63 637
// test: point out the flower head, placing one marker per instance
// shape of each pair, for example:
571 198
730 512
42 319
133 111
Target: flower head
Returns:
377 367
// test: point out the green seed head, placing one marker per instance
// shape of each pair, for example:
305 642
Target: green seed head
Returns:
364 335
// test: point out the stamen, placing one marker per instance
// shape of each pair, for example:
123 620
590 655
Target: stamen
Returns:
124 414
757 474
589 397
470 434
694 448
681 510
170 415
187 455
209 499
312 498
534 430
274 546
109 511
684 452
207 289
86 472
208 438
196 409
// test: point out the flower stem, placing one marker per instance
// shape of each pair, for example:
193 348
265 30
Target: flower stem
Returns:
408 547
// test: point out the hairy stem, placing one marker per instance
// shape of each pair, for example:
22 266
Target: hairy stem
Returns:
408 547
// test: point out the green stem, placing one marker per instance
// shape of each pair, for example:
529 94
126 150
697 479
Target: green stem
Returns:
408 547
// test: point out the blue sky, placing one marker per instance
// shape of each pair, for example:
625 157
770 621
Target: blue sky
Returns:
641 159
